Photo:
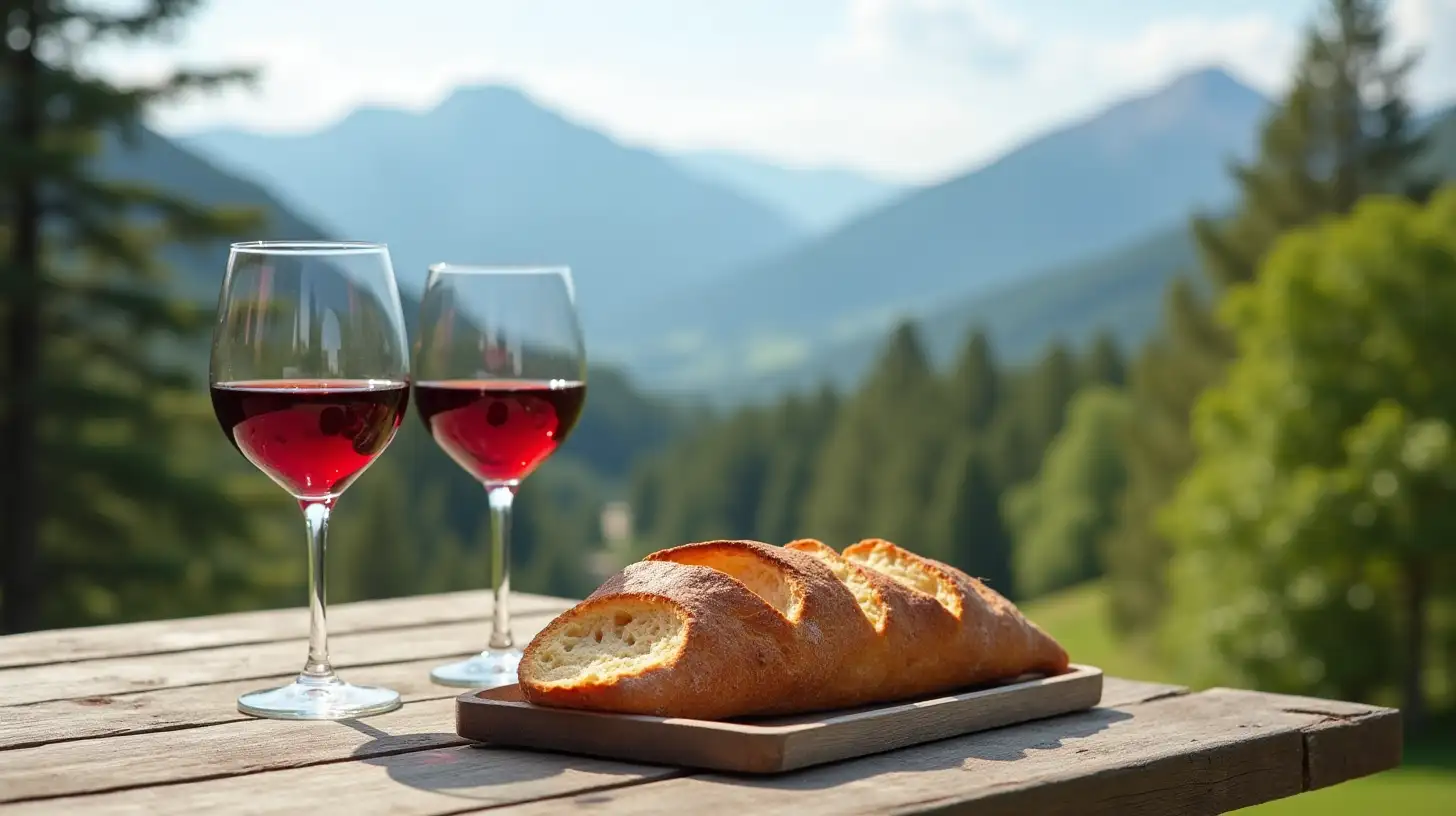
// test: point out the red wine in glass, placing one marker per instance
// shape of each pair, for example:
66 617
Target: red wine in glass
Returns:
309 380
501 381
499 431
312 437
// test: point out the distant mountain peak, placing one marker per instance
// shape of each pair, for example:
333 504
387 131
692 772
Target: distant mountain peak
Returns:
469 101
1213 85
1209 78
1212 95
487 94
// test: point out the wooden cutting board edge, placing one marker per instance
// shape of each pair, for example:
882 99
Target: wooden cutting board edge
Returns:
500 717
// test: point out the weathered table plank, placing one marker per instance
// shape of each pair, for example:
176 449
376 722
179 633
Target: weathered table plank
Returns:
1197 754
149 726
188 706
407 783
266 626
435 781
230 749
1352 741
1118 691
121 675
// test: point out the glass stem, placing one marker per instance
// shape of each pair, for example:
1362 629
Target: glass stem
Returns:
317 670
501 495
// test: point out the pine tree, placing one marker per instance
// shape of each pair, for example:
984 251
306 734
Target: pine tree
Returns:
965 516
800 430
90 431
1049 391
1104 364
1342 131
381 547
848 477
975 384
1032 417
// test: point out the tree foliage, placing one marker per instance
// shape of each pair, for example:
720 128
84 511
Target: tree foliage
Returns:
1060 518
915 455
97 417
1321 511
1342 131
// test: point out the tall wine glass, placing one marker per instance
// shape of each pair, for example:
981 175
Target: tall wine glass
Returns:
310 379
501 380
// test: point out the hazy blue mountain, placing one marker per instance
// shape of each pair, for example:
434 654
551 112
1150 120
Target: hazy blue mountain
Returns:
1120 292
197 271
488 176
1078 192
817 199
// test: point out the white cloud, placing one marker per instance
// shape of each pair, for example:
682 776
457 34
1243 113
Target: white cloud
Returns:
979 79
934 33
1255 45
1430 27
914 89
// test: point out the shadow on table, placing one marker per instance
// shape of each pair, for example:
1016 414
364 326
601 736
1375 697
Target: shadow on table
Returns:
478 773
1008 744
488 774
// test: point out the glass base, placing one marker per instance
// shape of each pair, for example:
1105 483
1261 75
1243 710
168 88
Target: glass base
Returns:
319 699
489 669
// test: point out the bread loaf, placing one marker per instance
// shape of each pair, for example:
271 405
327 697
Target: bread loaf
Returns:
725 629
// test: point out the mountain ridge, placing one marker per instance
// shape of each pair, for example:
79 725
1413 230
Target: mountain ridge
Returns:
817 198
1074 192
489 176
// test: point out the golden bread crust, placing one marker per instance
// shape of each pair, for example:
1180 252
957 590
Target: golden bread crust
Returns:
724 629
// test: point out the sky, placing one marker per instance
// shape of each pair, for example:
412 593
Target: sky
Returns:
908 90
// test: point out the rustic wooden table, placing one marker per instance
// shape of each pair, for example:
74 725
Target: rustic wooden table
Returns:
140 718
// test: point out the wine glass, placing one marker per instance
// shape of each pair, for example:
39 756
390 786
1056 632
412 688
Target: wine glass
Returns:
310 379
501 381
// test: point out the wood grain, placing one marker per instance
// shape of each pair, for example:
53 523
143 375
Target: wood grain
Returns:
500 716
1196 754
185 707
123 675
247 747
1117 691
433 781
156 637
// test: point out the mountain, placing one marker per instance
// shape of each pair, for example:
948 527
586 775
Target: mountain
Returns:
488 176
817 199
1120 292
1074 193
155 160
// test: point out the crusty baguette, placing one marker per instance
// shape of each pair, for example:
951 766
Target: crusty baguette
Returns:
896 665
726 629
993 639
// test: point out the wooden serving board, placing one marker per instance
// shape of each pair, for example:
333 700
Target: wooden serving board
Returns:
770 745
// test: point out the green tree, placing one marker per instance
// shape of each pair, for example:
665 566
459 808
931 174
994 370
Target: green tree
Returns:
1316 528
1059 519
93 419
1033 416
1104 364
849 485
802 425
381 549
710 486
964 517
1342 131
975 383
